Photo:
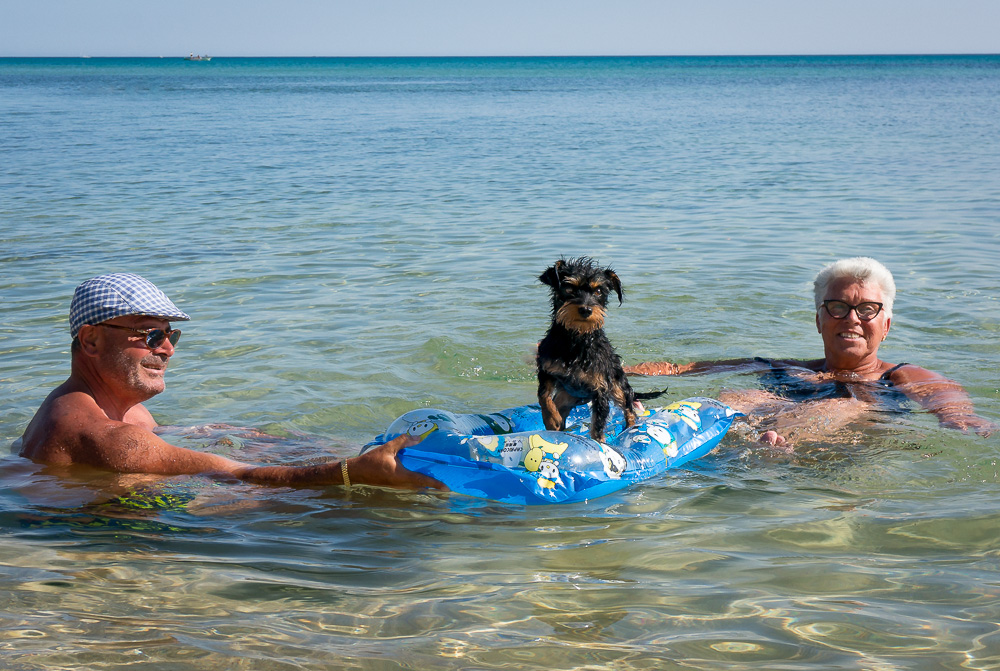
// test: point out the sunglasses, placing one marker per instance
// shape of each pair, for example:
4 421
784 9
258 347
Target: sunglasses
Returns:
866 311
154 337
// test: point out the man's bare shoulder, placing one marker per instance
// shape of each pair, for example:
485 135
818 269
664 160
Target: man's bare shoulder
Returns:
139 416
61 420
71 428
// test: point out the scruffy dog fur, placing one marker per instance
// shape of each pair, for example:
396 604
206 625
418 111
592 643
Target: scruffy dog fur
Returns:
576 362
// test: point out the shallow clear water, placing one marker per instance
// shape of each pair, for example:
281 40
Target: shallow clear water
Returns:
356 238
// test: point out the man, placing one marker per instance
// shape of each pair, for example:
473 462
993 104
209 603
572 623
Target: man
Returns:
122 344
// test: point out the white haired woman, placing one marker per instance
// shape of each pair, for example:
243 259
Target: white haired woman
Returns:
854 300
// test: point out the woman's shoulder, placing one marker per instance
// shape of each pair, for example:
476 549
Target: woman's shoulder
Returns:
905 373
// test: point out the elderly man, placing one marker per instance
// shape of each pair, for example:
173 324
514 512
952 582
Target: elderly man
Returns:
122 344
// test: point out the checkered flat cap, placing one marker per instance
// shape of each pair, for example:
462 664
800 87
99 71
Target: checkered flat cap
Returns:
108 296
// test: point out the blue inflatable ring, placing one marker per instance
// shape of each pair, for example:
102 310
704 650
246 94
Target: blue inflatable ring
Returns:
510 456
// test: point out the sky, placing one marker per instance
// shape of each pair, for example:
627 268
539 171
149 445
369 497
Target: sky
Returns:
495 27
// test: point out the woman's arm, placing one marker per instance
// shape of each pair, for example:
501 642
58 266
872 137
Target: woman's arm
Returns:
946 398
668 368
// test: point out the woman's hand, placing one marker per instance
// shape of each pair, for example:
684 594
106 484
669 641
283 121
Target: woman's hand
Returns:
966 422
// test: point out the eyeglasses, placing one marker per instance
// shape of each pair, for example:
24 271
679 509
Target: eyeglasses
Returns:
154 337
866 311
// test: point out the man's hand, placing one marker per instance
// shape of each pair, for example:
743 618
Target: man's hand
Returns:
380 466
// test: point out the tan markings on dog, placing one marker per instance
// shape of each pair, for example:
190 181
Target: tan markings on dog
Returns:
565 402
593 380
569 316
598 315
618 394
554 367
551 416
589 379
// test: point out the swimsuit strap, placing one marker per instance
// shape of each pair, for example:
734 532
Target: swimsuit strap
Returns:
886 375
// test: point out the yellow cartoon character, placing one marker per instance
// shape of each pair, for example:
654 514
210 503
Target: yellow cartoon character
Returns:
422 428
542 458
489 443
663 436
687 411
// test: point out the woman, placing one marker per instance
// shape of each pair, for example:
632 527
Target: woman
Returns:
853 315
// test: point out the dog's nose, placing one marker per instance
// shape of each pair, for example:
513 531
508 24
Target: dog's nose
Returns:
584 311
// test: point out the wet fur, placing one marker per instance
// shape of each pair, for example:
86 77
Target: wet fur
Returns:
576 361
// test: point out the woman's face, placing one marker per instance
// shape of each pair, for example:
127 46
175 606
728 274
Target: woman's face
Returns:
851 343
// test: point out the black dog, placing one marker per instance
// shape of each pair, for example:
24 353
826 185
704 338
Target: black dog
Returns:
576 362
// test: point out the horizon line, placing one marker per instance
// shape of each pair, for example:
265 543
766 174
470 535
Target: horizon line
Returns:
442 56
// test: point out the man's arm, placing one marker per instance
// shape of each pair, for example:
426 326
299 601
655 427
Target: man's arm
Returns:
140 416
943 397
125 448
378 466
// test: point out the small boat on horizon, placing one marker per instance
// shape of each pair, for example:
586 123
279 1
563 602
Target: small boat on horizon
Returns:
192 57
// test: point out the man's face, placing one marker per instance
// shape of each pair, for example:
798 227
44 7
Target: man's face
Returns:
128 362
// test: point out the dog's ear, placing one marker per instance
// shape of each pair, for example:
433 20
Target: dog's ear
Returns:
551 276
615 282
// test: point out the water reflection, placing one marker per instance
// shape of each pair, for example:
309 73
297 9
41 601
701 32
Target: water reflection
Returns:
718 565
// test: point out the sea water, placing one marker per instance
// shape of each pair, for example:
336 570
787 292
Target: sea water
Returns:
356 238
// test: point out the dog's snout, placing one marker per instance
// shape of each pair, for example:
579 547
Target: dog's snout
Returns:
585 311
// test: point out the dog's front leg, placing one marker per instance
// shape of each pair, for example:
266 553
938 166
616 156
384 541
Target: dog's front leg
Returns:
599 410
624 398
565 402
551 416
630 417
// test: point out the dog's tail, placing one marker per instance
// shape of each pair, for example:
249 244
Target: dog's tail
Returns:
651 394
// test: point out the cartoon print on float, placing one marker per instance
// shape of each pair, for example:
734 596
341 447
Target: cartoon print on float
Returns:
687 411
614 463
663 436
422 428
505 449
542 459
497 423
529 465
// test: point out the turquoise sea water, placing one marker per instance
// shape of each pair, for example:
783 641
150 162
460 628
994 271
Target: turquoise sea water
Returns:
355 238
